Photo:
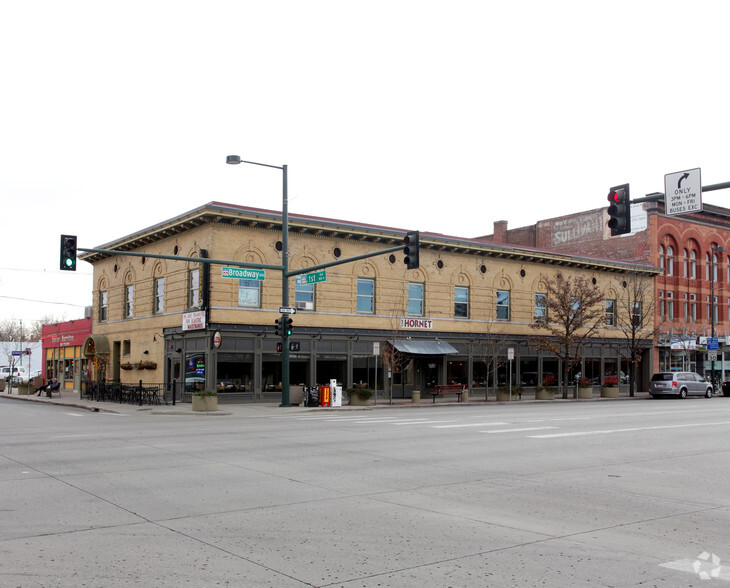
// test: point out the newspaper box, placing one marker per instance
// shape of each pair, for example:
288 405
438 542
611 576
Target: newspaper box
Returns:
324 396
335 393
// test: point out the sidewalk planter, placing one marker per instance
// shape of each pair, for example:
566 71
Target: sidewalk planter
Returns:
416 396
610 387
465 395
544 393
503 394
585 392
205 401
360 397
610 392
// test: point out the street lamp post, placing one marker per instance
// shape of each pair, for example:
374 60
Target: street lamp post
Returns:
235 160
713 269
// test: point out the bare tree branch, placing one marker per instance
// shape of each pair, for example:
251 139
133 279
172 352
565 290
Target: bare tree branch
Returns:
574 310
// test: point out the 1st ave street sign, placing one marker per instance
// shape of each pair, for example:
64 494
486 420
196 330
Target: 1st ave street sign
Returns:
314 277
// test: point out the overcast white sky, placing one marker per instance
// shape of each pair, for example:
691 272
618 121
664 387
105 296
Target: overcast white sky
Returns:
438 116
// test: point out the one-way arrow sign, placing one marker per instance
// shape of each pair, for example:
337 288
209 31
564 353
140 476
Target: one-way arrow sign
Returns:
683 192
287 310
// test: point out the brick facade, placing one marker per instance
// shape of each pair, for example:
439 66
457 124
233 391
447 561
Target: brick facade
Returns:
586 233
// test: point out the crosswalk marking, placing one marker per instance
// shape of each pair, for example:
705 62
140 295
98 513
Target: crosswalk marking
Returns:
632 429
518 430
421 423
470 425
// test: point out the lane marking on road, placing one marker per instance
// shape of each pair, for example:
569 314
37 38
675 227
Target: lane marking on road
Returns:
422 423
518 430
627 430
470 425
73 413
390 422
68 436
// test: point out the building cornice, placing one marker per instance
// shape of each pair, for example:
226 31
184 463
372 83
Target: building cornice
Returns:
270 220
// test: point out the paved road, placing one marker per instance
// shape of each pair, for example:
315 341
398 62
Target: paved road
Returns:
629 493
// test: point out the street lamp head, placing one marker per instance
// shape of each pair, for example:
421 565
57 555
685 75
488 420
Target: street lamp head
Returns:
233 159
720 248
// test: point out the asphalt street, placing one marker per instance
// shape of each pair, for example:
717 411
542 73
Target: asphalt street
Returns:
620 493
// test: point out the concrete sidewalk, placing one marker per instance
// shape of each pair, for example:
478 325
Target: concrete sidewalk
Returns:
72 399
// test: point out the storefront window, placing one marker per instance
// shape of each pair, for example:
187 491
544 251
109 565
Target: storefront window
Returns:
528 372
456 372
194 372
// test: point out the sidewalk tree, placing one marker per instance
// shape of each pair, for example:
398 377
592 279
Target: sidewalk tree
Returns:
634 318
494 354
393 359
574 308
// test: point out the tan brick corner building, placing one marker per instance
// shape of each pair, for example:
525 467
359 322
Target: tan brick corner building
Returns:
168 320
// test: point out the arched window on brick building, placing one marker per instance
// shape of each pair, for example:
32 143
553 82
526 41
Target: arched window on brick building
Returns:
670 260
662 259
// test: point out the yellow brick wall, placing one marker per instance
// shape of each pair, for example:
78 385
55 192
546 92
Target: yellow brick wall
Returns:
335 299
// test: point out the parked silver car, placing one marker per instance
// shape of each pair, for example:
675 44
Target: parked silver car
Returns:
680 384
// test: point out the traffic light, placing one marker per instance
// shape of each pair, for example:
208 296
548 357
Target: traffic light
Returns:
289 326
619 210
68 252
410 249
277 324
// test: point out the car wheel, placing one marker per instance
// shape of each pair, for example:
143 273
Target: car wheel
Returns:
683 393
708 393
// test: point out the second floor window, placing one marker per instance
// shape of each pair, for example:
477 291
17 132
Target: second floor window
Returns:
636 314
194 288
415 299
103 305
540 307
670 260
670 306
303 295
610 313
365 295
129 301
502 305
461 302
159 302
249 293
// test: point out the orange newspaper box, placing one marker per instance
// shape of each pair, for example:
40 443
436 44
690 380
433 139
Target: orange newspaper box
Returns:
324 396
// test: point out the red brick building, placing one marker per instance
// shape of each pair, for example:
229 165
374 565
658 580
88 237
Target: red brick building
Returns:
62 352
689 249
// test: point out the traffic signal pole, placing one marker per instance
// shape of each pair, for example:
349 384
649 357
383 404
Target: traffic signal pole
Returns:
285 391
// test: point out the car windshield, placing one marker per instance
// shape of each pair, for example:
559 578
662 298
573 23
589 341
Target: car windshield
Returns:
661 377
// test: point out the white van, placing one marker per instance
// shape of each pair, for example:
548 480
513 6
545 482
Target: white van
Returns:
19 373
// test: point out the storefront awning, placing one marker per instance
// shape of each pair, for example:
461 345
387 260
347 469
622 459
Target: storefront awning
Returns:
95 345
425 347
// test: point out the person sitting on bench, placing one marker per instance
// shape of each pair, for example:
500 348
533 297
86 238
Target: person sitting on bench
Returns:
54 386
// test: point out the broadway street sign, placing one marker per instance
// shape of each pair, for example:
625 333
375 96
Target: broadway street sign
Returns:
243 273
